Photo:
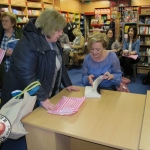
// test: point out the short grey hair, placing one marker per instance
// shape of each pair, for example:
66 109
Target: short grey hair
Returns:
98 37
50 21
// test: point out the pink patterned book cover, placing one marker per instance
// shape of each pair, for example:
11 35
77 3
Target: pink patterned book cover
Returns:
2 54
131 56
68 105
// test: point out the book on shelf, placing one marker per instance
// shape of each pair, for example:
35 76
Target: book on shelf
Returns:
141 30
12 43
147 40
144 30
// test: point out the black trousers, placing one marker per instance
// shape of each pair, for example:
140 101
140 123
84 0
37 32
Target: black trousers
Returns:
126 63
10 144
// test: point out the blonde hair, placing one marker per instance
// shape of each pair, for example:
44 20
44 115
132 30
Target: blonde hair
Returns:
50 21
12 17
98 37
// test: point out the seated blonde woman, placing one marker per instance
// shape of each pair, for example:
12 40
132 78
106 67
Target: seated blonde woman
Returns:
77 46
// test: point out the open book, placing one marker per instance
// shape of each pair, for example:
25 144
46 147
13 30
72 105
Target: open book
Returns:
67 47
91 91
12 43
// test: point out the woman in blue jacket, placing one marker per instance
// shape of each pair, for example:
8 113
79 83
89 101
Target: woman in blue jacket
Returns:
131 46
38 56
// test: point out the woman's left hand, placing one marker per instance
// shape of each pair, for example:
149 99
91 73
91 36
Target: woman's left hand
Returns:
114 50
72 88
108 76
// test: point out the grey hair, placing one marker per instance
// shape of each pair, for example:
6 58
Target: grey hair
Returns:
98 37
50 21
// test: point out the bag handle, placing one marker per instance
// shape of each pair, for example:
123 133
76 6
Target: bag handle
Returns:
28 88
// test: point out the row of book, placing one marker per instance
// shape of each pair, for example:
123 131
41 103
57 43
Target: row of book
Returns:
144 30
145 40
18 12
34 12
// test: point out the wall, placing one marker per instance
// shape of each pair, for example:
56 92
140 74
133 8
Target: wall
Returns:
76 5
72 5
90 7
140 2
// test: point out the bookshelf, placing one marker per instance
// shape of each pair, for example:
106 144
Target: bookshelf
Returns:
77 19
101 19
21 14
65 14
144 34
82 25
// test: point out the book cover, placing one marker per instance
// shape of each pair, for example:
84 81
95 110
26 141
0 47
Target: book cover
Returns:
142 30
146 30
2 54
12 43
147 40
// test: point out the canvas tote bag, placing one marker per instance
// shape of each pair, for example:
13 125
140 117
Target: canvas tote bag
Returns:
17 108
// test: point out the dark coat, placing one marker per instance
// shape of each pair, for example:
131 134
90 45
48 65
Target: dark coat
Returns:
33 60
18 35
70 27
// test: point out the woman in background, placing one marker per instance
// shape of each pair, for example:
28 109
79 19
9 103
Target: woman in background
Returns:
101 62
64 40
131 46
8 32
111 39
77 46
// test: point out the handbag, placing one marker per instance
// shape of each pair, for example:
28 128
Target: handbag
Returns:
18 107
123 87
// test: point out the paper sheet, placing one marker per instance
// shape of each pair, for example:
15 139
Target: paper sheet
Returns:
91 91
67 46
96 82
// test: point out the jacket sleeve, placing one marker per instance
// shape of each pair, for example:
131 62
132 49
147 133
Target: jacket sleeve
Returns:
81 45
25 61
136 46
125 44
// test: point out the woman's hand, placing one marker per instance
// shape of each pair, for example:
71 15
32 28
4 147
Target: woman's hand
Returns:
90 79
9 52
114 50
108 76
71 46
48 105
72 88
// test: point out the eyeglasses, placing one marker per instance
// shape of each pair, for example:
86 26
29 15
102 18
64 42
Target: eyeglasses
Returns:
109 33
